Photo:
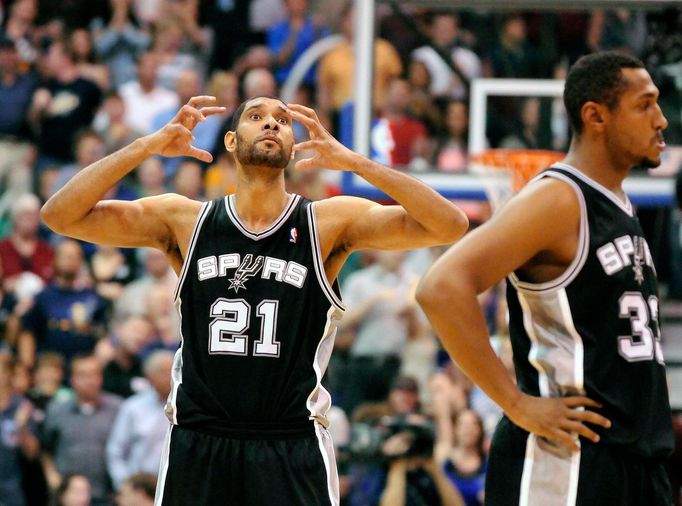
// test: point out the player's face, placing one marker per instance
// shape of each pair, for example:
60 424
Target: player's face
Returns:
636 125
264 137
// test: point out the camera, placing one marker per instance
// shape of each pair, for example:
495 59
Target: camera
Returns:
392 437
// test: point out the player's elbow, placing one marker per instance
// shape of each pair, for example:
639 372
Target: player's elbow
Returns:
454 226
51 217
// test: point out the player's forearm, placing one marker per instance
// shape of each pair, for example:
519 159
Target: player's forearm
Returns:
455 314
426 206
80 195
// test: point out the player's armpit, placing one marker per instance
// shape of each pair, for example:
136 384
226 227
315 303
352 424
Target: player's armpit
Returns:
148 222
543 221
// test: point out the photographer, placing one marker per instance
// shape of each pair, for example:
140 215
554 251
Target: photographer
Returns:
414 478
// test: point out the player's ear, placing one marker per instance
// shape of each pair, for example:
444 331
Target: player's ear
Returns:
231 141
593 116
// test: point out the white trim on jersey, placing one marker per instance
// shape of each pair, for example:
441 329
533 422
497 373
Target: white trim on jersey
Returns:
626 206
319 404
163 468
176 373
550 474
257 236
318 261
205 207
581 253
326 445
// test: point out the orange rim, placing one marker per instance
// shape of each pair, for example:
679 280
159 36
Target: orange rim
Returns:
523 163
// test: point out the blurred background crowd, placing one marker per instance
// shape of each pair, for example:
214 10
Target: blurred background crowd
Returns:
87 333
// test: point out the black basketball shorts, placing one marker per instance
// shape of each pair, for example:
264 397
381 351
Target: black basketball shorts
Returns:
199 469
523 472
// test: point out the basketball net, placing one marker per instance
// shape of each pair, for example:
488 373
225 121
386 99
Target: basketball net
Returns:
504 172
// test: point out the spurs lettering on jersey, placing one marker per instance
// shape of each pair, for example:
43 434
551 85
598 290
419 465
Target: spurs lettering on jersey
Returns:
624 252
286 272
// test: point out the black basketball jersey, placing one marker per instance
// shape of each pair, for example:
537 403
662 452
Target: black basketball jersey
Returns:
258 321
594 330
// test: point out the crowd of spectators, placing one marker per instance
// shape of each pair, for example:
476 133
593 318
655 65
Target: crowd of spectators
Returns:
87 333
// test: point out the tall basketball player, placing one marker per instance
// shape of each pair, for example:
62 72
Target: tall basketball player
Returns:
589 421
257 296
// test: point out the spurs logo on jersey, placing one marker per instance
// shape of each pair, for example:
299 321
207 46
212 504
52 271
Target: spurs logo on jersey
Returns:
286 272
626 251
247 269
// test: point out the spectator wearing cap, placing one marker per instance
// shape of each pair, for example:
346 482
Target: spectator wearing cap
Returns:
16 149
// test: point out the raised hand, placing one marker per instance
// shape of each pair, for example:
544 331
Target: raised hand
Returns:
175 138
559 419
328 153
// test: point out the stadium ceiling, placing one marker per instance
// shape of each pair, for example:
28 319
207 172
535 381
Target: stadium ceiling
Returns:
536 5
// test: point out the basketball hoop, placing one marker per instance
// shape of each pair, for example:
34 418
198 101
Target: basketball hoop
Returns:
505 171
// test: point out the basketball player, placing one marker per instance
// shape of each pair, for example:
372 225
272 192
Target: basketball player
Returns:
257 295
589 422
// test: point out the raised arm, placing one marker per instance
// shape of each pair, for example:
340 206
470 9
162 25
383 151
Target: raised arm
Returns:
422 218
447 293
77 210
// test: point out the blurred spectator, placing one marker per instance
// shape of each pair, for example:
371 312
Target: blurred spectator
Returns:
161 311
110 272
80 43
157 270
617 29
402 399
123 374
263 15
120 42
138 490
71 13
47 383
176 53
381 307
443 32
17 436
20 27
65 318
9 319
137 438
415 480
188 180
452 148
289 39
151 178
144 98
336 70
110 124
73 490
65 105
88 147
147 12
230 22
24 251
76 430
16 151
513 56
461 452
399 140
258 82
187 85
526 133
220 178
423 106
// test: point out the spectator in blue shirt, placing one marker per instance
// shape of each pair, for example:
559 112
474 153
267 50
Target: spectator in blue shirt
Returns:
64 318
289 39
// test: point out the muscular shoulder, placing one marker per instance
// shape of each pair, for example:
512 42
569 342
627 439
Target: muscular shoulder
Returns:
338 211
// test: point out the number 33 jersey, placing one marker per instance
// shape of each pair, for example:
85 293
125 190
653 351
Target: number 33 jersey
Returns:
594 330
258 321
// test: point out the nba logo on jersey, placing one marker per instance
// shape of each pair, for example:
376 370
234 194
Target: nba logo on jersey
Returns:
293 235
